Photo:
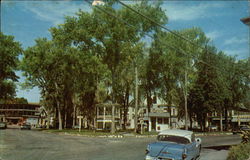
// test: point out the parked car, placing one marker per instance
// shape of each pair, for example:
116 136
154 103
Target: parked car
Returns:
174 144
240 129
26 126
75 127
213 128
3 125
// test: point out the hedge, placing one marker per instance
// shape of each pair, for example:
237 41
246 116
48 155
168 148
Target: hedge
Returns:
239 152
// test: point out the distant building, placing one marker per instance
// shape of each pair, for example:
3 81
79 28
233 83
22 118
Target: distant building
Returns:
234 117
20 113
104 116
160 117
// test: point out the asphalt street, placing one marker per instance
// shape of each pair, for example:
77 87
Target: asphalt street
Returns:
18 144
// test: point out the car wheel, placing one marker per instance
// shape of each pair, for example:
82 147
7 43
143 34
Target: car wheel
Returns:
198 156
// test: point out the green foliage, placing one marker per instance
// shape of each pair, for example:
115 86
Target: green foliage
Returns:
170 58
245 136
9 52
15 101
92 56
239 152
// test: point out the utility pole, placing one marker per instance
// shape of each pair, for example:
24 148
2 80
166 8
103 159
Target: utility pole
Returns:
185 98
246 21
136 98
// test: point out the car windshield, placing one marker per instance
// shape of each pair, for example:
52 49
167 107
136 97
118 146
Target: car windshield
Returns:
175 139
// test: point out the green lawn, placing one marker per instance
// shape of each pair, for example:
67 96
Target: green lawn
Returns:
97 133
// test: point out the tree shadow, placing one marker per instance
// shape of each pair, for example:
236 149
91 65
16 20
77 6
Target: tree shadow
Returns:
218 148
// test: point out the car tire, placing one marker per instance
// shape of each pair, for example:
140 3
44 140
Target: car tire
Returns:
198 156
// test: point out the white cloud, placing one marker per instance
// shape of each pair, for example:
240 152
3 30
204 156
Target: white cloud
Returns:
241 53
54 12
182 12
235 40
213 35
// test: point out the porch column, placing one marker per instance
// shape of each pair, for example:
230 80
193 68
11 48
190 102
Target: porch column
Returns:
156 123
150 125
104 112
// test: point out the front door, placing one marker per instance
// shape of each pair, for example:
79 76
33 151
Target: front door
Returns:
153 122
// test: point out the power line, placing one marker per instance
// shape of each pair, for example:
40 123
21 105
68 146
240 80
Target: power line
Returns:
170 46
160 25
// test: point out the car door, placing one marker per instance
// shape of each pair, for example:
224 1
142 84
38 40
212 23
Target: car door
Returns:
191 148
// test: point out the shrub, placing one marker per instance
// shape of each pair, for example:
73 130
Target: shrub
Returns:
239 152
245 135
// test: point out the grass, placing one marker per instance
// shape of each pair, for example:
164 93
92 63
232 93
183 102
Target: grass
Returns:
82 132
87 132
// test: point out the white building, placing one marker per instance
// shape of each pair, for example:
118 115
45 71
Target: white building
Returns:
160 117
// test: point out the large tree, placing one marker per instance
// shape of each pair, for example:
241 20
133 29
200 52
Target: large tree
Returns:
9 52
60 72
171 65
105 34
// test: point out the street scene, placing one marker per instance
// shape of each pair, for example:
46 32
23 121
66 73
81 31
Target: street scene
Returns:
30 145
124 79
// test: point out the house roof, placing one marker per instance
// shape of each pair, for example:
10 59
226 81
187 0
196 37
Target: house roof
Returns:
108 105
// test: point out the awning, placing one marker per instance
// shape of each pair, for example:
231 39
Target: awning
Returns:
159 115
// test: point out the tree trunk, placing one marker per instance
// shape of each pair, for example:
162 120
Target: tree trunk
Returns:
126 105
58 107
221 124
113 119
65 119
48 121
185 99
74 110
136 98
74 115
191 121
226 119
170 115
113 101
59 116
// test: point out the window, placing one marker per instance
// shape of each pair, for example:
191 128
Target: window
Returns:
159 120
166 120
175 139
173 112
193 138
154 100
108 111
100 109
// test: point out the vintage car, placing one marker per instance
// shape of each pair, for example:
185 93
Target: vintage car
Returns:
26 126
241 129
3 125
174 144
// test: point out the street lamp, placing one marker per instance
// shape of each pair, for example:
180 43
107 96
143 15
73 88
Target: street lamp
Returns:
246 21
97 3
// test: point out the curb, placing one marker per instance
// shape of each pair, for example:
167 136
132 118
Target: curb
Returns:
132 136
106 136
213 134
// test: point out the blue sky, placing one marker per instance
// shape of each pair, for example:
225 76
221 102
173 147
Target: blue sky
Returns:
220 20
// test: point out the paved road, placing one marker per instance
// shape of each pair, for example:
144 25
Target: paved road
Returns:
18 144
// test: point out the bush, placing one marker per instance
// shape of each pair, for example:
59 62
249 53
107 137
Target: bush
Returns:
245 135
239 152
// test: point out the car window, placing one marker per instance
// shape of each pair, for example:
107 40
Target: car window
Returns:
170 138
193 138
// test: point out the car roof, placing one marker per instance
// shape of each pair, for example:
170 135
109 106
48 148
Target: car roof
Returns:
177 132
